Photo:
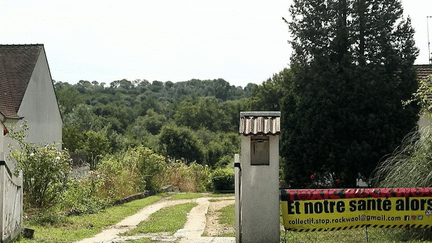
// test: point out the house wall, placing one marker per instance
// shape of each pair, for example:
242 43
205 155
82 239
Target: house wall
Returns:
1 142
39 108
424 121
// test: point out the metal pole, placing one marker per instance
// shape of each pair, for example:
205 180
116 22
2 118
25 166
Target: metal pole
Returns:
237 190
429 51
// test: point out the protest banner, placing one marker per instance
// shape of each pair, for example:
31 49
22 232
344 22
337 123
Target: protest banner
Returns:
336 209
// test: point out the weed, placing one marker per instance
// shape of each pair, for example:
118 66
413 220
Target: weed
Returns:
188 178
227 217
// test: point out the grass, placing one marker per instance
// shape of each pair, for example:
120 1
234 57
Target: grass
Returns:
70 229
169 219
227 217
376 235
221 195
65 229
187 195
142 240
190 195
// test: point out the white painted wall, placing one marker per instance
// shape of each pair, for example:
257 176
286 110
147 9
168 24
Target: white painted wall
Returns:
39 109
39 106
260 213
424 120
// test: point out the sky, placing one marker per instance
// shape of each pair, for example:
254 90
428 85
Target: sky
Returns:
241 41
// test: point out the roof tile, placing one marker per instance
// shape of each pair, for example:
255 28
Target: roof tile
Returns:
423 71
260 123
16 67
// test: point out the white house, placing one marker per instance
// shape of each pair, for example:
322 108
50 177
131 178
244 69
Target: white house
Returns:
27 94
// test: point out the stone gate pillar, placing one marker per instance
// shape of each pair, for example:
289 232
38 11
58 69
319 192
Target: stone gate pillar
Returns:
259 190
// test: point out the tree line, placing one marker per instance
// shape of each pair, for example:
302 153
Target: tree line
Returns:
195 120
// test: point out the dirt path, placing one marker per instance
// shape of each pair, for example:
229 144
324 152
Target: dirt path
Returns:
213 227
192 231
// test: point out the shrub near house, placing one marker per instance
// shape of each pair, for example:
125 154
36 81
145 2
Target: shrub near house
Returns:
44 170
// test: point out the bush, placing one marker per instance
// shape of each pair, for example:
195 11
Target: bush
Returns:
118 178
223 179
78 197
96 145
47 218
149 165
409 166
129 173
188 178
44 170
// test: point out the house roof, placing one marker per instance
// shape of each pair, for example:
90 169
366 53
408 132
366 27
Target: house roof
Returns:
16 67
423 71
260 123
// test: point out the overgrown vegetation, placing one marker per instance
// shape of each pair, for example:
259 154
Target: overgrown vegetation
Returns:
129 173
188 178
52 227
410 165
223 179
44 169
138 135
52 198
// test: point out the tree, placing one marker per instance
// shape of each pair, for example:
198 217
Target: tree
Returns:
119 114
152 122
199 113
180 142
96 145
268 95
156 86
83 117
353 73
67 97
221 88
410 164
218 148
72 138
